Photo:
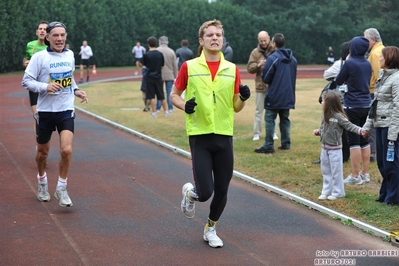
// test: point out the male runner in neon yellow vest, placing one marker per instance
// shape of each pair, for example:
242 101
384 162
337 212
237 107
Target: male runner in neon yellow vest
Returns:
212 85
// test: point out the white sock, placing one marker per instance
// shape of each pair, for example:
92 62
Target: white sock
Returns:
42 179
61 183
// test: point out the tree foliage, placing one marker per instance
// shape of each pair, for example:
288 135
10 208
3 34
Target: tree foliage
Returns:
112 27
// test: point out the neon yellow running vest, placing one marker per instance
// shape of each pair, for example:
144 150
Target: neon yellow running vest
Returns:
215 111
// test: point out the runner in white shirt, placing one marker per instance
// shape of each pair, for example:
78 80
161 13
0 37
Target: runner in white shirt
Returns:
138 52
50 73
85 53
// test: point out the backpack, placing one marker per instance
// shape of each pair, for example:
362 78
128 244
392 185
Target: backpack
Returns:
332 85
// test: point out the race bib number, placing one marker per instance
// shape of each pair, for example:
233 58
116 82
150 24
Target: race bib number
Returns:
65 79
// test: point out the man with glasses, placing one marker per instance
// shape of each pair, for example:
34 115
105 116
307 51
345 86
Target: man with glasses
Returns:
255 64
50 74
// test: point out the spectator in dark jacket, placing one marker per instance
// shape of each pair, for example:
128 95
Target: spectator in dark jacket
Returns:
279 72
356 75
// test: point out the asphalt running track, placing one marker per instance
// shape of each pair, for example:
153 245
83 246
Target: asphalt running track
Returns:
127 192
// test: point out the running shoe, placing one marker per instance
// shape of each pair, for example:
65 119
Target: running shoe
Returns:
62 195
42 192
353 180
212 238
187 206
365 177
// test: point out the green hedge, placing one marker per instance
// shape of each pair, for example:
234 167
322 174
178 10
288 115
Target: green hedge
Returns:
112 27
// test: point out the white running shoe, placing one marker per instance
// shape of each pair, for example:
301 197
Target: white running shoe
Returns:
331 198
322 197
352 180
187 206
275 137
365 177
62 195
256 137
42 192
212 238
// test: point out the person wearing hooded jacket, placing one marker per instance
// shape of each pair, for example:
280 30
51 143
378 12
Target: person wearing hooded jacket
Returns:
227 50
356 75
279 72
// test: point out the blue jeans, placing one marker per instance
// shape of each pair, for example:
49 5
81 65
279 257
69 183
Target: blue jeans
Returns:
389 191
168 85
285 128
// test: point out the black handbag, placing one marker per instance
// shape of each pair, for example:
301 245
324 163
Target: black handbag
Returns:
373 109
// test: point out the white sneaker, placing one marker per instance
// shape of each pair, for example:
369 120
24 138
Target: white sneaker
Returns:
275 137
153 115
167 113
256 137
187 206
42 192
62 195
212 238
331 198
365 177
353 180
322 197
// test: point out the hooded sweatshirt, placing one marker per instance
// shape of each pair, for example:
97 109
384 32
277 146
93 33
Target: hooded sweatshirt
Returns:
356 74
279 72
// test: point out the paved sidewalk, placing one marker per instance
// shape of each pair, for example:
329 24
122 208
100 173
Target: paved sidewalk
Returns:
126 194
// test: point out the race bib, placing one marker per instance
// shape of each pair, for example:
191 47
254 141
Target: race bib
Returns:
65 79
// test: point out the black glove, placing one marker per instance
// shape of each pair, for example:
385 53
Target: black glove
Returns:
190 104
245 92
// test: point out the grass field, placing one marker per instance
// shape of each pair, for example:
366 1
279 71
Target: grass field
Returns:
291 170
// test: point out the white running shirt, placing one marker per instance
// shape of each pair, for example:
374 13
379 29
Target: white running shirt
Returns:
45 67
138 51
86 52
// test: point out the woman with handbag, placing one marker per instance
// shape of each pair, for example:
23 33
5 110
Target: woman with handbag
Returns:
384 117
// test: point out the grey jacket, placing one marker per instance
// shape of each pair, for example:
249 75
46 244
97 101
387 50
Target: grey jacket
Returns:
331 135
387 94
169 71
228 52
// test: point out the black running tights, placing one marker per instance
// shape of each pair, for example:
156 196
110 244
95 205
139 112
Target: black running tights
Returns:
213 162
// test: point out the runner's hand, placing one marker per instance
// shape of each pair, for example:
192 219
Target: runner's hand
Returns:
189 107
245 92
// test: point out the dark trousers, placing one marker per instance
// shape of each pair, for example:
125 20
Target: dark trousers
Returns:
389 191
213 163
